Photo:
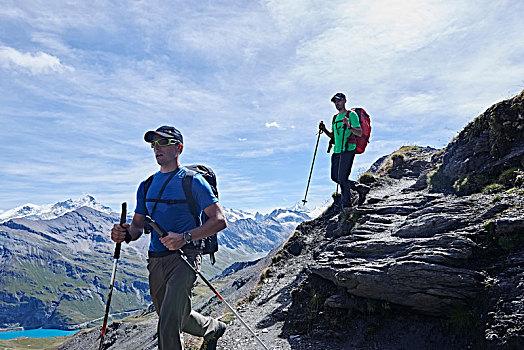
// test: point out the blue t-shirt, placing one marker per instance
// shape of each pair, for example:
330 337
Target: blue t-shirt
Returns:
172 217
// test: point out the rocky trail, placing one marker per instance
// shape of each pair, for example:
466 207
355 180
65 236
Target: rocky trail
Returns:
407 256
272 299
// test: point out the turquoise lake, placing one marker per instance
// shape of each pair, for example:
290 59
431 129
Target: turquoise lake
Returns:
35 333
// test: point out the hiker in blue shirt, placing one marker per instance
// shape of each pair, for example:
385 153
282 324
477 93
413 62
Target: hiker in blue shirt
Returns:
170 278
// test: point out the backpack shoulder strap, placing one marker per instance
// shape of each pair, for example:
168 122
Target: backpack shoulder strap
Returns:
147 184
335 117
358 111
187 185
348 112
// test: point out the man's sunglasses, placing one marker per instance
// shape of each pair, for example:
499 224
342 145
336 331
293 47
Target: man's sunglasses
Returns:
164 142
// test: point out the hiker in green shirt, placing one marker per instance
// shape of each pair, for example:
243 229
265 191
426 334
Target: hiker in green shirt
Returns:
346 126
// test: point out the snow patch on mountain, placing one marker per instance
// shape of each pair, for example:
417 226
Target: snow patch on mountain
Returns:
52 211
233 215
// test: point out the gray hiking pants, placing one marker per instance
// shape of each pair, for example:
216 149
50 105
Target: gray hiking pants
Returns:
170 283
341 164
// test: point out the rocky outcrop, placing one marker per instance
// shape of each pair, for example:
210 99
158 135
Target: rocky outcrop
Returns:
424 260
488 147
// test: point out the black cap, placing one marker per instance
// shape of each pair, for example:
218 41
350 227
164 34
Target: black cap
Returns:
169 132
338 96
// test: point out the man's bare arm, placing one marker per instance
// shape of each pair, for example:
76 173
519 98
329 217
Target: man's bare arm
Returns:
215 223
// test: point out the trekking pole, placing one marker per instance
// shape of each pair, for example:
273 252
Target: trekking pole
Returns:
163 233
312 164
116 256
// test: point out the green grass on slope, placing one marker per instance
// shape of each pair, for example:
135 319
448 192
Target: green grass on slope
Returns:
32 343
79 284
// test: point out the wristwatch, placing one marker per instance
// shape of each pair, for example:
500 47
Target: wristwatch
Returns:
187 237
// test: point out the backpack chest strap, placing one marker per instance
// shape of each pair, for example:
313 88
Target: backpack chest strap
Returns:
166 201
148 184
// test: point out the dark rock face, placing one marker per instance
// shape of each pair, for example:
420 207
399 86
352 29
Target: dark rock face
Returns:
453 263
408 161
488 146
415 260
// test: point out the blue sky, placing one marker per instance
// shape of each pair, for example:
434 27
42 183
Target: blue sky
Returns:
245 81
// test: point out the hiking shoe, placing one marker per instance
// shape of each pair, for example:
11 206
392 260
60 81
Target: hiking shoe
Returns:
211 343
362 190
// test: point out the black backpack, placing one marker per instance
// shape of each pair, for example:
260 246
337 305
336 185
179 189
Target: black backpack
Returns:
209 244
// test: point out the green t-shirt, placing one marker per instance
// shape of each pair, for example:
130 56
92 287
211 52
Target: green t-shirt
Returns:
341 134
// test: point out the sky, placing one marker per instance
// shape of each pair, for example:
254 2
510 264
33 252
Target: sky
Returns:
246 82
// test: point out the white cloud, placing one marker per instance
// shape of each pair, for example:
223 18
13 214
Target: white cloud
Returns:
416 104
363 49
257 153
295 17
273 125
50 41
38 63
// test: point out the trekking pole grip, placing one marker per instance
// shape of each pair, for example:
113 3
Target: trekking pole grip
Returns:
123 216
155 226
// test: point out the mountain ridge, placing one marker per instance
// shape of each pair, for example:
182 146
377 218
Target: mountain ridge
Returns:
50 211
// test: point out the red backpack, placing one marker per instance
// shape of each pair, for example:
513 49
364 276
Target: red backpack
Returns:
365 124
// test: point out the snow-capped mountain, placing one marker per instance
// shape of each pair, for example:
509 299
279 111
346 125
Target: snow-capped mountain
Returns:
233 215
51 211
263 232
252 234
